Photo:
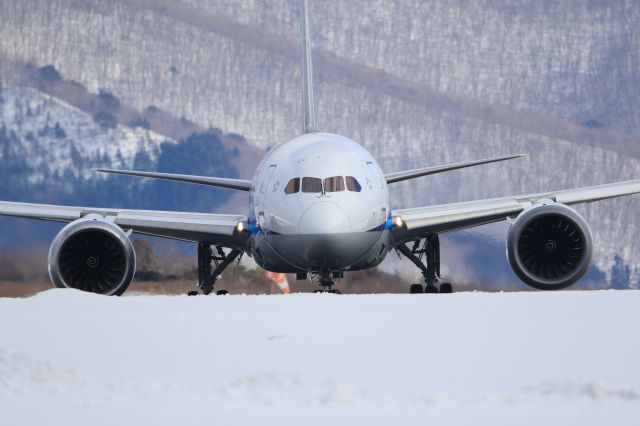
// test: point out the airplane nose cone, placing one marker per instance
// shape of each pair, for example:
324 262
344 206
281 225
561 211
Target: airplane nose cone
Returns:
324 217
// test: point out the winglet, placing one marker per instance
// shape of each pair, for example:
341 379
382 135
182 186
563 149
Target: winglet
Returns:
309 124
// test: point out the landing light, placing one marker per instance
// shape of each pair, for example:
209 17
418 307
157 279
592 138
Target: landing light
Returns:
241 227
398 223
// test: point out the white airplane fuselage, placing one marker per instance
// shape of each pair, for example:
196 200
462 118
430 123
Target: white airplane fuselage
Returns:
319 202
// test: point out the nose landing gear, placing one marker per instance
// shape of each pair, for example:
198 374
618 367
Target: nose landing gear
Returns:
430 249
327 281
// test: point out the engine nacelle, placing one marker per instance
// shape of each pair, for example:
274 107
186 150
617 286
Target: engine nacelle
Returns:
92 254
549 246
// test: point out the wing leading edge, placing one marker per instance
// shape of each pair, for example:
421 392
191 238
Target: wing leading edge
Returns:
443 218
412 174
237 184
208 227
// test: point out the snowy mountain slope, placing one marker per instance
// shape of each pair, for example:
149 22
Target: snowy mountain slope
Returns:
317 359
49 147
489 52
54 134
334 67
574 59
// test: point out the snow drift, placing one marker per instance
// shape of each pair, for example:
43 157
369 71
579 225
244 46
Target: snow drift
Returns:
490 358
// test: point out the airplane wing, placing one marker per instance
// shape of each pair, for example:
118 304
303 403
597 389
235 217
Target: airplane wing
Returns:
237 184
216 229
412 174
422 221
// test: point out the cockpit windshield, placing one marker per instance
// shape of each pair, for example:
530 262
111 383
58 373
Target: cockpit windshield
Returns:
311 184
293 186
352 184
334 184
317 186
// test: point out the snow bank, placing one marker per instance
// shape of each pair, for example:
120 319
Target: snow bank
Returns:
501 358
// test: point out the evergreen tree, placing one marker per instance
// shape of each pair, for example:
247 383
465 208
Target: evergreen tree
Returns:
140 122
105 120
108 101
636 284
199 154
59 132
142 161
620 275
50 74
76 158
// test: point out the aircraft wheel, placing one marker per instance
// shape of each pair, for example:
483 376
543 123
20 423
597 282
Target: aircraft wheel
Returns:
193 293
431 289
446 288
416 288
222 292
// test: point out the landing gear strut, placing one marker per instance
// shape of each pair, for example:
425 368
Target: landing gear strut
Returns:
430 249
207 257
327 281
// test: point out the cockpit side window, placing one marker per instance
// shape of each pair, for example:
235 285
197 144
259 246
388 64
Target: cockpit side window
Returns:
293 186
334 184
311 184
352 184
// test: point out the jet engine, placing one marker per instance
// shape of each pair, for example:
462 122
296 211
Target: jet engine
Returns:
549 246
92 254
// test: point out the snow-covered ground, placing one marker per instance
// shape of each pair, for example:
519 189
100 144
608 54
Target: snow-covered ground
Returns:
72 358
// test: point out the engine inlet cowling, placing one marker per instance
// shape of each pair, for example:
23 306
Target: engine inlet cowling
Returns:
92 255
549 246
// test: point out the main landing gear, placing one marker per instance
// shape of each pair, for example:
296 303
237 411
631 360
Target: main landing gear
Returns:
430 249
207 257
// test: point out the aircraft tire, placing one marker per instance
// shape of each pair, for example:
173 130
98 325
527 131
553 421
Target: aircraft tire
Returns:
431 289
416 288
446 288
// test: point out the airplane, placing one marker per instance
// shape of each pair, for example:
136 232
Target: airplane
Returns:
319 207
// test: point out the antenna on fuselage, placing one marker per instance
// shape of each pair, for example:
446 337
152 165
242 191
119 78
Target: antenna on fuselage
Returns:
309 124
